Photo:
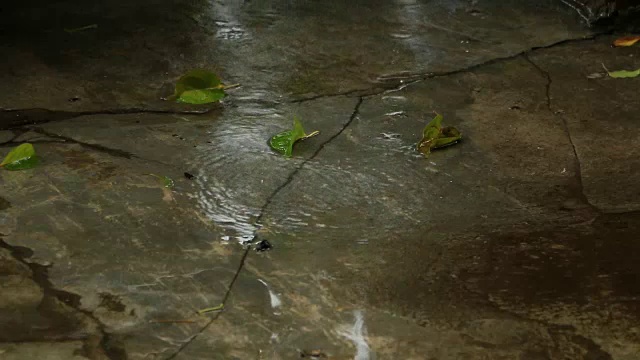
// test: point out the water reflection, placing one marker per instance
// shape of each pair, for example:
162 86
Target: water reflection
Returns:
235 165
270 45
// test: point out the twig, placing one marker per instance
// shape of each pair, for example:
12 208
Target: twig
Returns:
83 28
184 321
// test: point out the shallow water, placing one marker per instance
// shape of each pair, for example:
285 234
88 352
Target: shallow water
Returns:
376 250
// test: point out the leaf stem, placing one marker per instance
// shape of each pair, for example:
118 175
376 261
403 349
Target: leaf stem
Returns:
312 134
229 87
211 309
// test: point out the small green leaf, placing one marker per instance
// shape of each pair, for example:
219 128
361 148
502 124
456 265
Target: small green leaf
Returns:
283 142
199 86
624 74
20 158
165 180
435 136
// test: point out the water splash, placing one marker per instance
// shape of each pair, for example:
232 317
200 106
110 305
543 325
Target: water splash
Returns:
276 303
216 201
357 335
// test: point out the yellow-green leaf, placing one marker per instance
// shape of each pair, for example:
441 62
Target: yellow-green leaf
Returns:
624 73
199 86
20 158
435 136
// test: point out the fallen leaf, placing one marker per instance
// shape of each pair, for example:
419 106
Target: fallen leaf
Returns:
626 41
201 96
283 142
20 158
198 87
624 73
435 136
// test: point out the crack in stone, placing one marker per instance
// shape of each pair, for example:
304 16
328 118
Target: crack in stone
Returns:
405 79
565 125
263 209
547 76
15 118
101 341
322 96
16 143
61 139
96 147
16 134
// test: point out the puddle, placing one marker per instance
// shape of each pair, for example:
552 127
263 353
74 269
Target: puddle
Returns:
235 168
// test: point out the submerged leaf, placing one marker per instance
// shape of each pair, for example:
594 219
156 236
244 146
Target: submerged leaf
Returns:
199 87
20 158
435 136
626 41
283 142
165 180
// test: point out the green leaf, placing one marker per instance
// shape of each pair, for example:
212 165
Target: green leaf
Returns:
165 180
199 86
624 73
448 136
283 142
435 136
20 158
203 96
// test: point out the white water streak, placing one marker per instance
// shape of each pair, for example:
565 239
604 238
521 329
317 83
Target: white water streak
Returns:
357 335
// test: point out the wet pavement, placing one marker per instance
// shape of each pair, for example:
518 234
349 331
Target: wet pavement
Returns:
518 243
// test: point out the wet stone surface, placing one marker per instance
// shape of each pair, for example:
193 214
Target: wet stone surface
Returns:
520 242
